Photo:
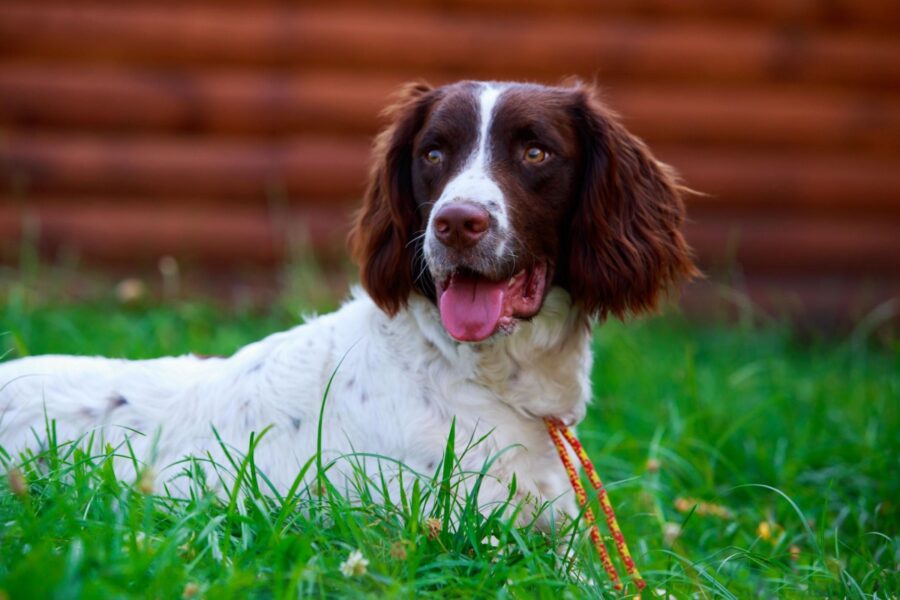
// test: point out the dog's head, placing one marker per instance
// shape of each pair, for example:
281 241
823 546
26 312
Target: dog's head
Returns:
484 195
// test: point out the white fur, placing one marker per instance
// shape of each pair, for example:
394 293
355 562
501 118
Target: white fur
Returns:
400 383
474 183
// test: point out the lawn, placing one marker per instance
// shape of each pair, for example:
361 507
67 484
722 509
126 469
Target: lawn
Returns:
742 462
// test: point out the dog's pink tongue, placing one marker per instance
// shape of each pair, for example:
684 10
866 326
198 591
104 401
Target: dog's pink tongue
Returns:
471 306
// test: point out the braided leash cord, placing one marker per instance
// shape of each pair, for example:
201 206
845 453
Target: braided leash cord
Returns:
554 427
581 496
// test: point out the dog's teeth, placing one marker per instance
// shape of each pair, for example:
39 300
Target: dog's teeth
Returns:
512 280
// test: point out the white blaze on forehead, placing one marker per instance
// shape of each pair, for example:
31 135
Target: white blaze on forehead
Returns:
487 101
474 184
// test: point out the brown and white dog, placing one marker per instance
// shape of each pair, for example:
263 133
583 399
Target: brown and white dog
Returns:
501 220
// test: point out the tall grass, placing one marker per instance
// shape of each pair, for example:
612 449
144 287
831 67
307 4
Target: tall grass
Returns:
75 530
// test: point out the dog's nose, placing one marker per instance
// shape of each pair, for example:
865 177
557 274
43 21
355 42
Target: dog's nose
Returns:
461 225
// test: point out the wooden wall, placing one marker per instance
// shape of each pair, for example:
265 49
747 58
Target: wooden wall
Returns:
210 130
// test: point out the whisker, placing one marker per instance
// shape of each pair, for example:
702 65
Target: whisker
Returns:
423 269
416 238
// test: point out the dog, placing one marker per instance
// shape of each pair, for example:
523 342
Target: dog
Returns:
500 222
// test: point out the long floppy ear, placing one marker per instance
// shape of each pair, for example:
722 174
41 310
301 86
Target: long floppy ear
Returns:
626 245
381 237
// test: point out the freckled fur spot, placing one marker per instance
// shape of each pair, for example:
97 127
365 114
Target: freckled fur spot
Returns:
117 400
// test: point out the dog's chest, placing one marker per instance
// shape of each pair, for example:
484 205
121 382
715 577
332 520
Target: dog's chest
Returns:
402 403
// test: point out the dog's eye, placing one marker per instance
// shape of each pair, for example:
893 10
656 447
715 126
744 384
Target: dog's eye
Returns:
535 155
435 157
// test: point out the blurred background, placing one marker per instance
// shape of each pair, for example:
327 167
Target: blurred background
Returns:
225 139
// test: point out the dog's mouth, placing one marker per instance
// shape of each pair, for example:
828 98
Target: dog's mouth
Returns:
474 307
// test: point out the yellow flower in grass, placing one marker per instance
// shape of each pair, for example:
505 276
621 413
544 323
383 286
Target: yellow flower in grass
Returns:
355 565
770 531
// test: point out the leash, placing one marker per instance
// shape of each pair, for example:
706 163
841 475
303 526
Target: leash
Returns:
558 430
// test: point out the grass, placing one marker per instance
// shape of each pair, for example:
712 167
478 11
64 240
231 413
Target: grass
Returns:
742 462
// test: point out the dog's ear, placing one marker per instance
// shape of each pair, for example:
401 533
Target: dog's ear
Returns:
626 247
382 237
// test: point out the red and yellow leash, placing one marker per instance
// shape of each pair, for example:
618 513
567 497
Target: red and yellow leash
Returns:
558 431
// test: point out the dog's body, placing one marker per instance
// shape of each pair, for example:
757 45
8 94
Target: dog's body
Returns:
499 221
398 383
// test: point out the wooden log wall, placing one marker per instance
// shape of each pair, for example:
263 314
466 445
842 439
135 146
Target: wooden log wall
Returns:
210 130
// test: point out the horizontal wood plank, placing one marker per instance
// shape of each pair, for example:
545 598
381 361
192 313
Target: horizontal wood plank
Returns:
237 170
453 46
123 233
796 245
877 15
775 183
196 101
